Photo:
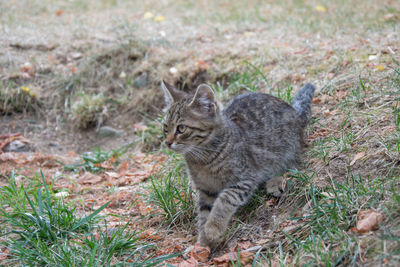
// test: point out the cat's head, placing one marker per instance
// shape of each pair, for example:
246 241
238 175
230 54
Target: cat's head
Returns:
190 120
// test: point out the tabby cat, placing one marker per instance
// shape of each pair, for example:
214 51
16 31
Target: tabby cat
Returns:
230 152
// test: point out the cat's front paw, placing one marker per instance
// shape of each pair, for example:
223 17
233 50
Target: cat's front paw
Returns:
211 235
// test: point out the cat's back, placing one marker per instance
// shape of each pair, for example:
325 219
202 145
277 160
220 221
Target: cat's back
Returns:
255 111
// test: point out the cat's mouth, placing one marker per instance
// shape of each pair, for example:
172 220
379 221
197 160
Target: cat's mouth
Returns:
180 148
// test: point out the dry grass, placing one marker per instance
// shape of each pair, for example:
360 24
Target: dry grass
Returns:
349 49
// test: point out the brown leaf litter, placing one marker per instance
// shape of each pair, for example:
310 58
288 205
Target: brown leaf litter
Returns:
368 220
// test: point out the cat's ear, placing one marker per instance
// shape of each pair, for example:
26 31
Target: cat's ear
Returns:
204 101
171 94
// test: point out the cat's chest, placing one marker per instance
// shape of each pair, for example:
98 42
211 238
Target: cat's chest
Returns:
208 178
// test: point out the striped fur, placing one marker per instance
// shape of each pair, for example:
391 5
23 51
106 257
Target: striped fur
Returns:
230 152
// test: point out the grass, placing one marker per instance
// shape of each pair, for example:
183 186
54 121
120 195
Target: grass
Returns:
89 111
92 161
18 99
41 230
172 193
350 55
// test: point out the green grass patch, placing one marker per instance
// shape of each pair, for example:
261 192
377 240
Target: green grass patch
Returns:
91 161
172 192
41 230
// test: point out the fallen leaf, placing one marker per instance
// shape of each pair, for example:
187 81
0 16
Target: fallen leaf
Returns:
188 263
200 253
173 70
150 236
330 112
357 157
320 8
263 241
341 94
316 100
380 67
331 75
228 258
59 12
159 18
76 55
391 16
249 34
203 65
318 133
90 178
61 195
372 57
5 254
148 15
72 154
139 127
368 220
242 246
271 202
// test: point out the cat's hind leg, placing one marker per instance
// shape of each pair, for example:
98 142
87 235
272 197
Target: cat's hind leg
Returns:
274 186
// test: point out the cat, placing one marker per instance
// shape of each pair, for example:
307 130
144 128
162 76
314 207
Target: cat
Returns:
230 152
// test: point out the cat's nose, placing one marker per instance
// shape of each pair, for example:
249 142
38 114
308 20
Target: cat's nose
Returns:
168 143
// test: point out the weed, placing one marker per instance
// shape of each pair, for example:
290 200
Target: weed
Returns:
173 194
150 137
88 111
251 79
91 161
45 231
17 99
331 211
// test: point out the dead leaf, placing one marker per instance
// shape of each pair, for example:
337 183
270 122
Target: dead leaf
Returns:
149 235
200 253
5 254
341 94
368 220
357 157
271 202
321 99
90 178
203 65
391 16
188 263
263 241
59 12
318 133
139 127
76 55
159 18
316 100
330 113
331 75
320 8
228 258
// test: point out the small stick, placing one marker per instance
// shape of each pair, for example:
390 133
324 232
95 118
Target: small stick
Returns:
10 135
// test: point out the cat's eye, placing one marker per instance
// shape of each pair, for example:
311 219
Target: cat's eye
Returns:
180 129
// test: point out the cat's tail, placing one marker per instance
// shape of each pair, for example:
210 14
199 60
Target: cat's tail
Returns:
302 101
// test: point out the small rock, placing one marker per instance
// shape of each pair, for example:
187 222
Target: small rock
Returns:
76 55
52 144
61 195
141 80
106 131
16 146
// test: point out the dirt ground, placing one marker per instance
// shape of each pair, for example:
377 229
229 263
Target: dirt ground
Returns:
82 65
